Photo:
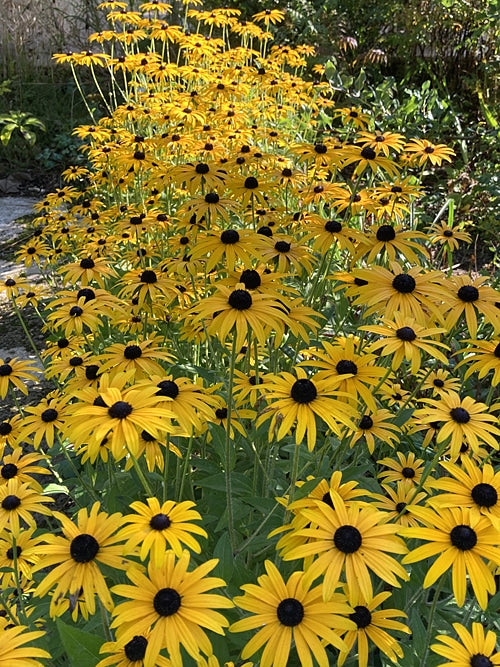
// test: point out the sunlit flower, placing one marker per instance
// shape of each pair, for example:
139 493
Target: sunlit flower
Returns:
291 612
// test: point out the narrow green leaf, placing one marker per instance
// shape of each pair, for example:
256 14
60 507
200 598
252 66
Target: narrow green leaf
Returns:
82 648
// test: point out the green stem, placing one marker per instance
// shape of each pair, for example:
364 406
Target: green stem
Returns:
140 475
227 448
430 619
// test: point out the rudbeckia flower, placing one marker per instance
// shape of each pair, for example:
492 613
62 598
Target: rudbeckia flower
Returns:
156 528
464 541
14 653
174 605
469 485
475 649
349 539
131 654
463 419
372 626
470 297
239 311
423 150
291 612
415 293
19 502
482 357
405 339
297 401
352 373
13 372
406 468
77 554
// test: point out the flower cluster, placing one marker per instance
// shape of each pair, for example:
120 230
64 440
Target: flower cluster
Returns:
254 345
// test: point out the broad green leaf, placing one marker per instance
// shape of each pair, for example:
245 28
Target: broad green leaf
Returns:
82 648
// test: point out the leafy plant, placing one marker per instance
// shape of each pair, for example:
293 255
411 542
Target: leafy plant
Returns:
22 122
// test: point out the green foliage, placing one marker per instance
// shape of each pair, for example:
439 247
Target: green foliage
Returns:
22 122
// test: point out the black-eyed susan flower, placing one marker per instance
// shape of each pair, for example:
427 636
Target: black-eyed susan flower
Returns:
296 401
239 312
291 612
423 150
288 254
415 293
19 552
14 652
481 357
174 605
10 432
438 381
391 242
85 544
349 540
155 528
372 426
353 116
406 339
227 248
142 357
471 297
406 468
367 158
147 286
20 502
371 627
469 485
78 318
464 541
45 420
448 236
354 373
462 419
396 501
88 270
131 654
13 372
20 466
118 414
475 649
382 142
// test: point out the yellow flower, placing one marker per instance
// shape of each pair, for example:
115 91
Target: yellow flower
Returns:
291 612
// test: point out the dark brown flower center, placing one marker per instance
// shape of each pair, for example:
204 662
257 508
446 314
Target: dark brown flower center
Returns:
251 279
361 616
49 415
240 299
484 495
135 649
9 470
346 367
132 352
407 472
167 388
167 602
229 236
406 334
5 370
404 283
10 503
468 293
87 263
120 410
463 537
303 391
386 233
460 415
368 153
366 422
480 660
290 612
148 277
160 522
84 548
347 539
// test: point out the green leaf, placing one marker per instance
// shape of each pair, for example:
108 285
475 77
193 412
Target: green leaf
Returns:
7 133
224 553
82 648
56 488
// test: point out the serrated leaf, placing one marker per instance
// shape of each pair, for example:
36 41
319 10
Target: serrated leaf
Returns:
82 648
